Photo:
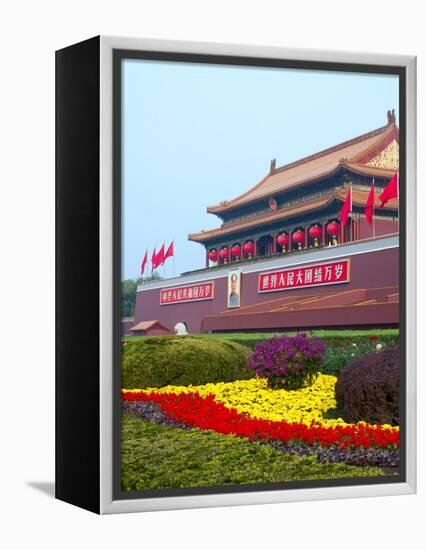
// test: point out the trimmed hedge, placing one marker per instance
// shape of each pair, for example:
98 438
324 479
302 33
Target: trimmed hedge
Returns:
368 389
340 350
182 361
330 341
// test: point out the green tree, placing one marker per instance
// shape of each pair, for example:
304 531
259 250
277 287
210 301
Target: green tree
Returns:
128 293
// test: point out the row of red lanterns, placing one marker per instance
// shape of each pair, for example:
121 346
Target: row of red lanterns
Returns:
333 229
283 240
247 248
235 251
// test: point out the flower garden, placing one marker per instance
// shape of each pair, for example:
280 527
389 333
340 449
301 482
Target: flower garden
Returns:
280 418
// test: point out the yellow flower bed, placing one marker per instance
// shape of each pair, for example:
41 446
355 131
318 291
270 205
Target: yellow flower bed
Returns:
255 398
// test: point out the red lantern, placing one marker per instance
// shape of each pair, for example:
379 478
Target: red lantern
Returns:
333 228
249 248
315 233
224 254
299 237
213 255
282 240
236 251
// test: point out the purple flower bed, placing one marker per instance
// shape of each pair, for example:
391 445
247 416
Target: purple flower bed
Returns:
147 410
381 458
288 362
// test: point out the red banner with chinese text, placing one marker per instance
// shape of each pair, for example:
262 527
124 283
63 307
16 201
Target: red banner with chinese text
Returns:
190 293
301 277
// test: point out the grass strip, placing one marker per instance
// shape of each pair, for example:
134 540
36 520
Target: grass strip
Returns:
158 457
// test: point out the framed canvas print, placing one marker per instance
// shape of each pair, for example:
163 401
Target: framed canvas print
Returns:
235 274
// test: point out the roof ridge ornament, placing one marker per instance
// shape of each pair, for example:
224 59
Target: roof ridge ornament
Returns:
391 117
273 166
272 204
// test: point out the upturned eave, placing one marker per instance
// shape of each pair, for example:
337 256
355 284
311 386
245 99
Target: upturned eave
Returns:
315 167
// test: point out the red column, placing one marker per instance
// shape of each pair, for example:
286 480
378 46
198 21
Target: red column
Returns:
306 237
275 244
207 257
323 233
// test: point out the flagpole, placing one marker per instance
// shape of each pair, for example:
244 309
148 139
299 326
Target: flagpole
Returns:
374 204
174 256
164 261
374 223
152 264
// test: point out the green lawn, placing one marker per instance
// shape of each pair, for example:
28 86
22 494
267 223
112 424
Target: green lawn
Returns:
158 457
265 335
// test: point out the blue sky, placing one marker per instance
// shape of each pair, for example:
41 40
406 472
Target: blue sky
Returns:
195 135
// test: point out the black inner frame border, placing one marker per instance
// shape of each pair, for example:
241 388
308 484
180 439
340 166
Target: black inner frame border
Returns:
120 55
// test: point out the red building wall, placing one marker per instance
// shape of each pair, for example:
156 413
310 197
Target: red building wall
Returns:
374 269
380 227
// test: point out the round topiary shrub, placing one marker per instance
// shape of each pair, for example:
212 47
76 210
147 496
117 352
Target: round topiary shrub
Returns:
182 361
368 389
289 362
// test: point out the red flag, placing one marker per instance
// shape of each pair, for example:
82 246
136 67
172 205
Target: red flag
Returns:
160 256
347 207
391 191
369 205
154 260
144 262
170 251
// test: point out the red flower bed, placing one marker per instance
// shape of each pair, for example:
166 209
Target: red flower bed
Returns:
207 414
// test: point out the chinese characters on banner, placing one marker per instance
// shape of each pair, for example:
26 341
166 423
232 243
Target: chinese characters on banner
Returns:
190 293
300 277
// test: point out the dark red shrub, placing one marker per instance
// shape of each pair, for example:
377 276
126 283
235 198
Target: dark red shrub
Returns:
368 389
